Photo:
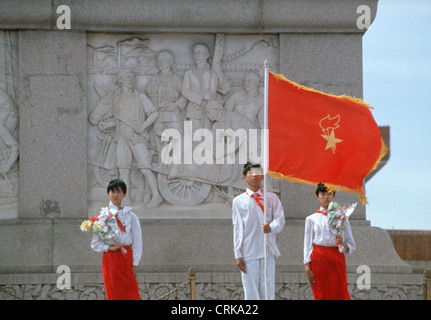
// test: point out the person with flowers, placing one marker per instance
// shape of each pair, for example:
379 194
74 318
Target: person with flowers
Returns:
120 260
325 265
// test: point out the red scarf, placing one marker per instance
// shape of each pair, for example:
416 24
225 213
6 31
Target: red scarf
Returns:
257 198
122 228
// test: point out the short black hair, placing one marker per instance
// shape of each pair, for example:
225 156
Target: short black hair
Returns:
248 166
321 188
116 184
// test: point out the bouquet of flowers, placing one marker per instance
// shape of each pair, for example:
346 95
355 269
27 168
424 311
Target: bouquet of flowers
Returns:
337 216
104 226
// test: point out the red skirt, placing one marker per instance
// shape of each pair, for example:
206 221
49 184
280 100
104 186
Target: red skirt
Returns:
120 283
329 268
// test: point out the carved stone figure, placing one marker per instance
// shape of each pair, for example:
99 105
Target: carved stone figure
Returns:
201 84
245 110
134 113
164 90
245 107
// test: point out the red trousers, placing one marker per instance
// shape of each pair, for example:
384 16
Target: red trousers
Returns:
329 268
120 283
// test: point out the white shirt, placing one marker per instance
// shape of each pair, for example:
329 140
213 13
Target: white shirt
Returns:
132 237
247 218
317 231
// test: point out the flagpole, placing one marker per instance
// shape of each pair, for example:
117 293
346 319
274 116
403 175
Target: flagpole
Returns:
265 168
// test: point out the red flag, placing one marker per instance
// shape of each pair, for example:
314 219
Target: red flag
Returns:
316 137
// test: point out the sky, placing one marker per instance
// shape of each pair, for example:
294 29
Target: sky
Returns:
397 83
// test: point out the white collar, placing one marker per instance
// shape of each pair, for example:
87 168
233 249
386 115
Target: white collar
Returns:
250 192
124 209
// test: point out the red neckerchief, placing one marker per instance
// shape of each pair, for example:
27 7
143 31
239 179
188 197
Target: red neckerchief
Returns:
257 198
120 224
322 212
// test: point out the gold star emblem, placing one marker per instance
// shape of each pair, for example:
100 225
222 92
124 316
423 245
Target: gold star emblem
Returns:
332 141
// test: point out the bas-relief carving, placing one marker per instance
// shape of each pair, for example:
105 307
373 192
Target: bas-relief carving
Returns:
9 114
204 291
139 86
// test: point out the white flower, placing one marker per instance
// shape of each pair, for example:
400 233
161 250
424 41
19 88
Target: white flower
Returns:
104 211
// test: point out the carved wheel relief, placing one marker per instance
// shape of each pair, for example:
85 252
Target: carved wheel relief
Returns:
141 86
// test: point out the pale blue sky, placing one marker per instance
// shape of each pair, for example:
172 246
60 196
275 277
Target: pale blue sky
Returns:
397 83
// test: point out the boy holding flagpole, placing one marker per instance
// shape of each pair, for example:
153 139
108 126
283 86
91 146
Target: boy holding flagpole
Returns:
250 227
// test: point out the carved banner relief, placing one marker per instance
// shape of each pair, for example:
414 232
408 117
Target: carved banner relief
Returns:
155 103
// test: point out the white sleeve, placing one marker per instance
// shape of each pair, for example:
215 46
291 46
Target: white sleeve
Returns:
98 245
238 230
136 240
348 238
308 240
278 221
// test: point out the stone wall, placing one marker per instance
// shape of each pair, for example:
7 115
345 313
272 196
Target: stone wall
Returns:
55 79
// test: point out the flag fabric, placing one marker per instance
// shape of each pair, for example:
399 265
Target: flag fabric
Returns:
317 137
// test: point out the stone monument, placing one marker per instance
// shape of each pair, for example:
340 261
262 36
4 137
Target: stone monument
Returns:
146 92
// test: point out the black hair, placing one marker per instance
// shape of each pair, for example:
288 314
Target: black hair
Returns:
116 184
321 188
248 166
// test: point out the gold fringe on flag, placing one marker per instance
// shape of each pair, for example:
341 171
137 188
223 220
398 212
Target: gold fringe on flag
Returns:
332 187
357 101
